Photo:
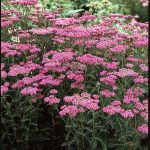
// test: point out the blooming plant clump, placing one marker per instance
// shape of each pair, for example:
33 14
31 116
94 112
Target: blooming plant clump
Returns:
93 76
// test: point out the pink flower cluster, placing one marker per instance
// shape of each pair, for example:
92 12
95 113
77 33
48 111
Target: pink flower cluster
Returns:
58 57
144 2
90 59
109 80
51 100
23 68
79 104
123 72
143 128
111 110
23 2
8 49
135 92
29 90
9 17
107 93
5 87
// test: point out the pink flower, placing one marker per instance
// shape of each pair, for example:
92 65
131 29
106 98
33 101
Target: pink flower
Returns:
115 103
135 92
79 78
41 31
6 23
107 93
131 58
109 80
51 100
3 74
86 95
114 87
4 89
90 59
24 2
123 72
53 91
143 128
34 99
140 42
77 85
144 115
119 48
112 65
69 110
140 79
103 73
95 96
105 44
135 111
62 56
109 110
130 98
29 90
127 114
129 65
143 67
68 49
84 101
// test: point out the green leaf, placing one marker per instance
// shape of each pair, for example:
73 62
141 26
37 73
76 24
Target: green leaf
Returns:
104 145
72 12
38 139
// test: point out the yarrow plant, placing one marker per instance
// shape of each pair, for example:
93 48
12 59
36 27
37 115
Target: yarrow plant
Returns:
93 76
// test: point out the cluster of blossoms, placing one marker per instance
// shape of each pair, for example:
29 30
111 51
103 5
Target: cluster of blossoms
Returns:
18 49
144 2
107 93
143 128
23 2
59 57
9 17
79 104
